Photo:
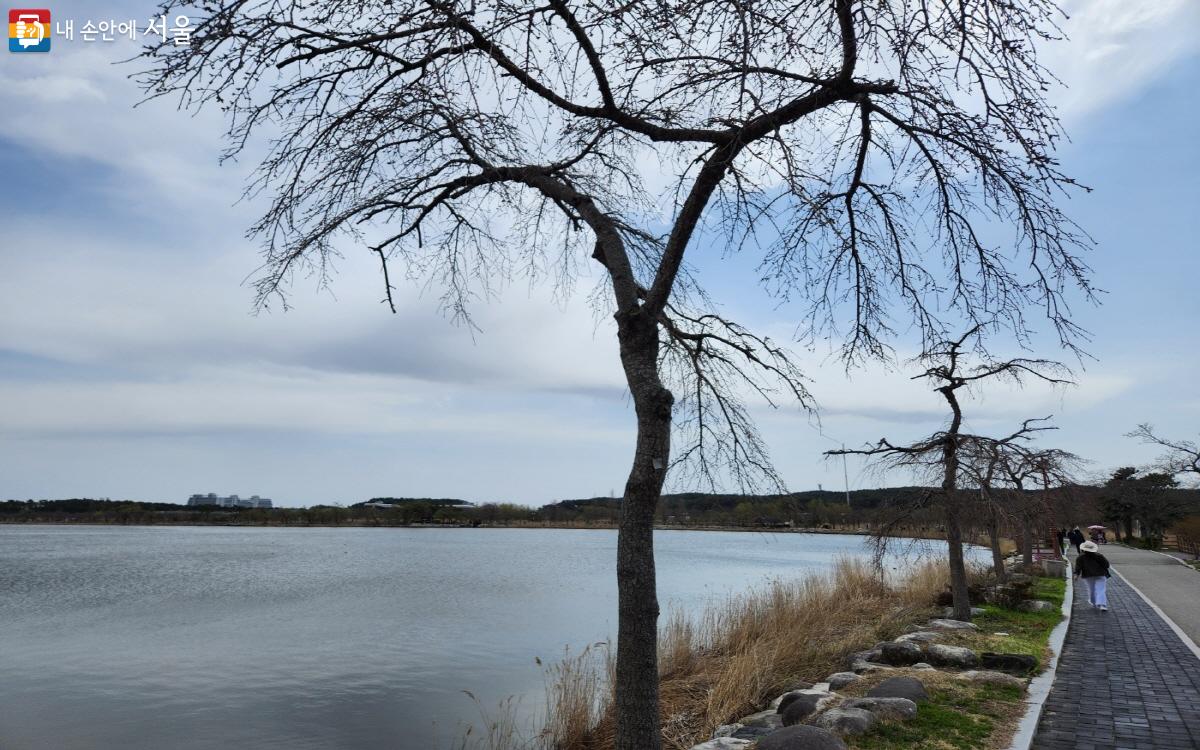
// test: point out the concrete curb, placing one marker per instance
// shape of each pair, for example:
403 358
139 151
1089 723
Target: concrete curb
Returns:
1187 641
1039 686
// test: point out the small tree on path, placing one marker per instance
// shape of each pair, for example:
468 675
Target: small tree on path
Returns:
940 456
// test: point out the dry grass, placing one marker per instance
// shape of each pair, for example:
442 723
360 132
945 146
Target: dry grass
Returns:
736 656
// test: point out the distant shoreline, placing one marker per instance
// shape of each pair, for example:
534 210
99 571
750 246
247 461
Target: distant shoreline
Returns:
551 526
911 534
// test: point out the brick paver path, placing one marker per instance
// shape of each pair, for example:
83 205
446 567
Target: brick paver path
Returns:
1125 681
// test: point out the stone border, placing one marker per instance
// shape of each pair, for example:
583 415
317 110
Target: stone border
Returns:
1187 641
1039 686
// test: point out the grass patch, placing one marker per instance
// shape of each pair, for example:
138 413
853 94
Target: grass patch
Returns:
958 716
1025 632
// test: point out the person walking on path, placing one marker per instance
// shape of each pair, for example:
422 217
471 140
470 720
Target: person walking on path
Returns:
1061 535
1092 567
1076 537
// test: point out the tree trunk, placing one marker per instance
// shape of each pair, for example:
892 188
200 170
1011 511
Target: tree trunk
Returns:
993 531
637 710
958 567
1026 541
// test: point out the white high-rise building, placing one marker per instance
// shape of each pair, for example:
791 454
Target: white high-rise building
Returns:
232 501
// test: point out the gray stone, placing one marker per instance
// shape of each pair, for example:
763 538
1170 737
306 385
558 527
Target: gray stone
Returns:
885 708
841 680
752 733
846 721
723 743
1012 663
726 730
1037 605
988 677
799 686
921 636
801 737
798 709
768 719
950 625
949 611
900 687
922 665
901 654
866 667
952 656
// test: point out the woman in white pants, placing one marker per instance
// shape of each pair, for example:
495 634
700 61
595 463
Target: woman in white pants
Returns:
1092 567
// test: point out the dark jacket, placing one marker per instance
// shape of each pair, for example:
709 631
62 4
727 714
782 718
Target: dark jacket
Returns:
1091 565
1076 537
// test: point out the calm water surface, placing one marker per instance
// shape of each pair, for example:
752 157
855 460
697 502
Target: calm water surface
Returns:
195 638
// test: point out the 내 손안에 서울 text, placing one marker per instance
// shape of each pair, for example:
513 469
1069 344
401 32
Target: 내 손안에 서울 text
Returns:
30 30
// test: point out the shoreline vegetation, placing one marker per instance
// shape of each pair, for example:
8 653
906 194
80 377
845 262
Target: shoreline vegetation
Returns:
813 511
737 658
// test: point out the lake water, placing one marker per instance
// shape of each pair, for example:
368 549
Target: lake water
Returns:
190 638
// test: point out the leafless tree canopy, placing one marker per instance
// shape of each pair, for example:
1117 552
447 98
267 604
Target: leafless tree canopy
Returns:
483 135
1178 456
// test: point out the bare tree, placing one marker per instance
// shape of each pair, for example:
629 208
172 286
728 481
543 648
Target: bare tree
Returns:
941 455
859 152
1033 475
1178 457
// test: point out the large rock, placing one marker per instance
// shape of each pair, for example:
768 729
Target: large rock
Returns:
901 654
885 708
798 709
900 687
841 679
846 721
768 719
921 636
988 677
801 737
799 686
952 656
1037 605
950 625
723 743
1019 664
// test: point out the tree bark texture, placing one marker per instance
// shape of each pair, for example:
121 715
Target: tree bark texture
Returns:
637 707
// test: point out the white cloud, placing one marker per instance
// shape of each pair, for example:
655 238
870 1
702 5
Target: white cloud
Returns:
1116 47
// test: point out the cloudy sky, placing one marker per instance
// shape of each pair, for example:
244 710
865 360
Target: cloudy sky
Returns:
132 364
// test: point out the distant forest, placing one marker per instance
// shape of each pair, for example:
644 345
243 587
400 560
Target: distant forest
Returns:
814 509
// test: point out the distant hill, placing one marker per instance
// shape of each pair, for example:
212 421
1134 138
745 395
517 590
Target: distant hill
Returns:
437 502
704 502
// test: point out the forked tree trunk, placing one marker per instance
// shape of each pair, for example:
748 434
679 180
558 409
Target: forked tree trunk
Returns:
637 711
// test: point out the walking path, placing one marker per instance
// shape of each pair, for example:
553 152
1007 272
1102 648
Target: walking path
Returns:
1125 679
